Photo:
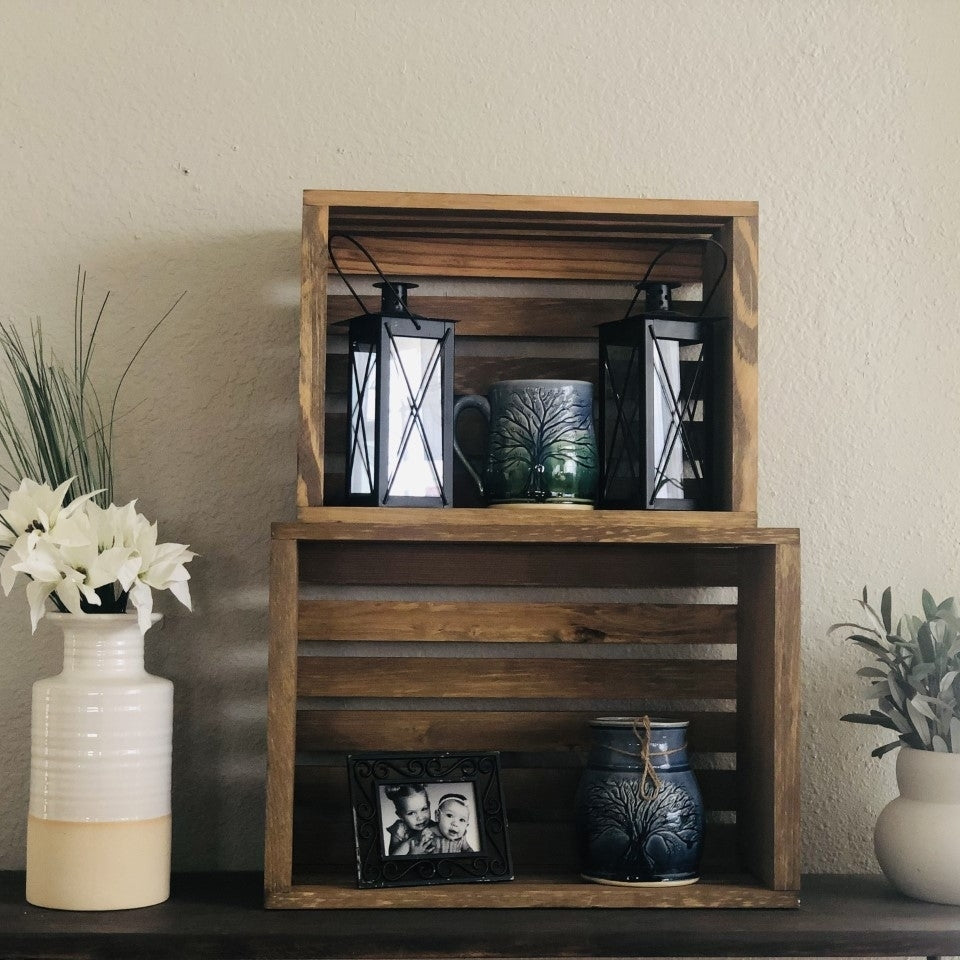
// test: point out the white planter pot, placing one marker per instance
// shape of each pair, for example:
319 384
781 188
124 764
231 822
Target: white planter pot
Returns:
917 839
98 831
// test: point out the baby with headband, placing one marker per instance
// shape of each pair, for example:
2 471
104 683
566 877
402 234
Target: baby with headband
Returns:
452 823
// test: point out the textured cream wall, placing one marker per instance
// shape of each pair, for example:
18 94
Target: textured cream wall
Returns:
165 145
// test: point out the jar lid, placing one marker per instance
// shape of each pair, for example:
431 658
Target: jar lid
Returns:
628 723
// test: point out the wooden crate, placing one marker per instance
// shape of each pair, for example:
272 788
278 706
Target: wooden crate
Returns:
533 707
480 247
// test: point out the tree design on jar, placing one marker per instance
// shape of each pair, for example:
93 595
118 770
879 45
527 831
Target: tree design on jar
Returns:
651 831
544 432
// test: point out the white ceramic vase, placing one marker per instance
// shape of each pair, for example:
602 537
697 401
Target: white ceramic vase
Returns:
98 831
916 839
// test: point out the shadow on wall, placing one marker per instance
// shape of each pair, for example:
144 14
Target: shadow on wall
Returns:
207 443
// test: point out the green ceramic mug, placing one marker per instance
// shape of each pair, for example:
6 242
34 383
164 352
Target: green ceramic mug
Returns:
541 448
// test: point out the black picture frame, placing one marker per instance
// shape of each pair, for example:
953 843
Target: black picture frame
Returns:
463 840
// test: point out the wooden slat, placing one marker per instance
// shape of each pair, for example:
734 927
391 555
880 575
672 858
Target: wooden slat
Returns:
554 317
584 623
769 704
544 793
387 201
531 526
281 715
313 336
396 563
534 845
475 374
534 258
744 388
522 679
535 731
568 891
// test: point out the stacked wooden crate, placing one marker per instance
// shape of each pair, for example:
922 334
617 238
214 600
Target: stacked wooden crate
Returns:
481 629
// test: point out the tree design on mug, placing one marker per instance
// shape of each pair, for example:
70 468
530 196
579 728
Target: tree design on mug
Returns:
652 831
540 425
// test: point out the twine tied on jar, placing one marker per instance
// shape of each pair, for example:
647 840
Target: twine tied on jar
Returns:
650 784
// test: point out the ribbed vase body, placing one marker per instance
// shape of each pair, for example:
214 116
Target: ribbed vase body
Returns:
639 812
99 829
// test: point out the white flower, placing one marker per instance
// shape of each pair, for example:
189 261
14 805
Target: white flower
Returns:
73 551
45 566
35 508
148 565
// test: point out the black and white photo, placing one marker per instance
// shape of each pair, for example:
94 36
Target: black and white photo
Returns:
421 819
428 819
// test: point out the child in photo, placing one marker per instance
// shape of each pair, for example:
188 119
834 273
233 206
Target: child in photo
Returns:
413 833
452 823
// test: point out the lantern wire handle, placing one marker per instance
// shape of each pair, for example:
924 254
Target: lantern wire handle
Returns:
395 290
664 252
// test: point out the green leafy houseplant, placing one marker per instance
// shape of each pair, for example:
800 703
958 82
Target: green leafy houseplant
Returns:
915 678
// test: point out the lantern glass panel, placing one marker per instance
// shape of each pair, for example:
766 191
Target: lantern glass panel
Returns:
622 419
415 466
363 417
668 451
678 455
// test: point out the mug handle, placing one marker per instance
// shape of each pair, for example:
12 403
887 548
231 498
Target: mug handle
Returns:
483 405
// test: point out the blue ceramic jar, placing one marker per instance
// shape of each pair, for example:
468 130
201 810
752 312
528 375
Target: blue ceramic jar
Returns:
639 813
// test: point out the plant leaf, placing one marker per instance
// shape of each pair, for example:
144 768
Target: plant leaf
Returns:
852 626
955 734
875 617
918 703
940 745
886 748
929 605
946 681
925 642
871 672
885 604
920 725
865 718
882 720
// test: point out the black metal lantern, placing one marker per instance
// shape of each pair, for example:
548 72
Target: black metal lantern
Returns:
658 409
400 434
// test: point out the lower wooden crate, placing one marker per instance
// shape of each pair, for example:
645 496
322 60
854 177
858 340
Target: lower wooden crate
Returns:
448 675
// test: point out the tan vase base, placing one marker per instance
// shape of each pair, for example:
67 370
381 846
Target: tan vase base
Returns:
98 866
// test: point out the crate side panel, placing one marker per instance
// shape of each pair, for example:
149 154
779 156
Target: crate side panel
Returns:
769 713
313 337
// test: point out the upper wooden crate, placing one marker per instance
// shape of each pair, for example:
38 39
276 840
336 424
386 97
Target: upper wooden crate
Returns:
468 243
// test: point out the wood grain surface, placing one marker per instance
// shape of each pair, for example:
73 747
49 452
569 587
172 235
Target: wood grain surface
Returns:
524 564
530 525
709 210
535 731
313 338
768 701
514 678
573 623
281 715
220 916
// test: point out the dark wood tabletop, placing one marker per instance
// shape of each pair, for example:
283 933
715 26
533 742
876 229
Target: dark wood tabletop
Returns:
220 916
